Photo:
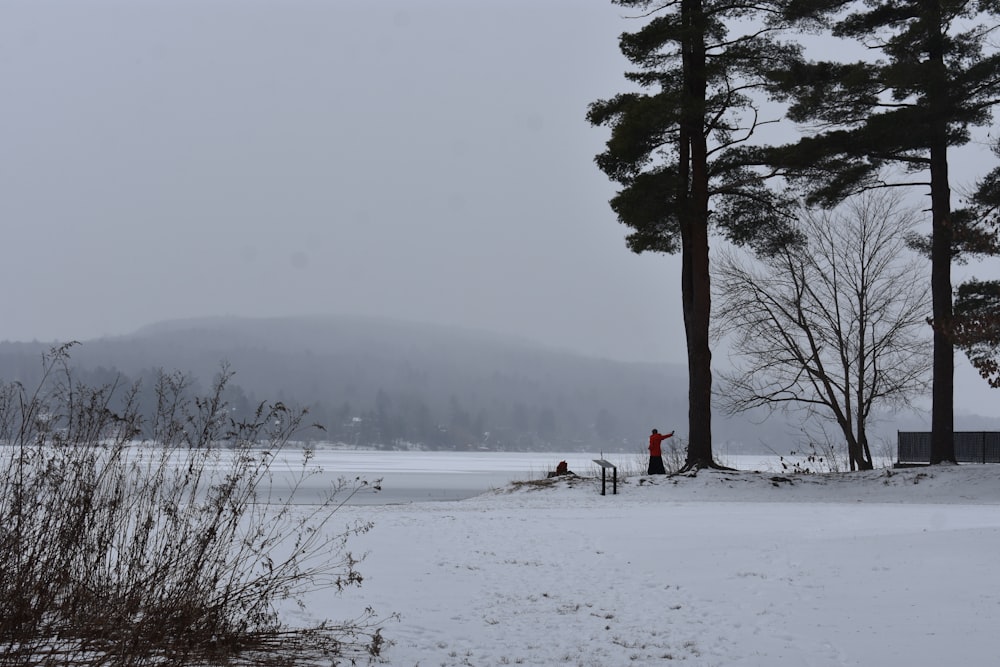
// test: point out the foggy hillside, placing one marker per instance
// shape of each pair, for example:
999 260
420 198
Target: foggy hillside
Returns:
377 382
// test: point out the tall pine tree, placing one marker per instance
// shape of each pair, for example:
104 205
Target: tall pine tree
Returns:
934 83
675 149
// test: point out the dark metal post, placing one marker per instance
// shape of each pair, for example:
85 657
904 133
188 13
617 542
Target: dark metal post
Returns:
604 476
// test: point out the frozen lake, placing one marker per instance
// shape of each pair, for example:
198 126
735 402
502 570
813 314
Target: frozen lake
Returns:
415 476
432 476
441 476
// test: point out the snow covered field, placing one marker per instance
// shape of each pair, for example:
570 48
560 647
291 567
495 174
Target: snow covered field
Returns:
891 567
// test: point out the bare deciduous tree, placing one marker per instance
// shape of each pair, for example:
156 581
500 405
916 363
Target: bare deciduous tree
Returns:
834 324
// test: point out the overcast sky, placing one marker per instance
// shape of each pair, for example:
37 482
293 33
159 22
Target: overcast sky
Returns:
426 160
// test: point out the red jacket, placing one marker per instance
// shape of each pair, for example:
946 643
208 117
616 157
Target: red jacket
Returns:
654 443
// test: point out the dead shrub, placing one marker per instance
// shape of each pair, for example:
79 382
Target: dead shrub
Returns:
170 550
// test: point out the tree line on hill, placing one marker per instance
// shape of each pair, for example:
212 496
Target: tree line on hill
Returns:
374 383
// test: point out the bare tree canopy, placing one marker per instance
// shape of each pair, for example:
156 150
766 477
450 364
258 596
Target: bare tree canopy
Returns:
834 324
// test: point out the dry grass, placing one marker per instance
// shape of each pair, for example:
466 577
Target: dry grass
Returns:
170 553
547 483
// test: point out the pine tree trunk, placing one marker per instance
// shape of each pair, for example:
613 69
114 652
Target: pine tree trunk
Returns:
943 387
699 453
696 282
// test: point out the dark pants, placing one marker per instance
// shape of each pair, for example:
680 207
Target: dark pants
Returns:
656 466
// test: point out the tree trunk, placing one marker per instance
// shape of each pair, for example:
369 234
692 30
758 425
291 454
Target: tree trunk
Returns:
943 388
696 322
695 281
866 453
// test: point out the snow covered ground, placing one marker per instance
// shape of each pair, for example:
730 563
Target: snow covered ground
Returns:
891 567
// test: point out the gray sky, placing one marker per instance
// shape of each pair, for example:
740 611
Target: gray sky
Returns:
426 160
421 159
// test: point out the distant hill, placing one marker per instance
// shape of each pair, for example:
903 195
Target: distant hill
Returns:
379 382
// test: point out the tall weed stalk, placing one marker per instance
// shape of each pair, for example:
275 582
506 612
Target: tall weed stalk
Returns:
173 550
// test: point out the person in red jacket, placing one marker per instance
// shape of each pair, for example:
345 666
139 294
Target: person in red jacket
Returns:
655 453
